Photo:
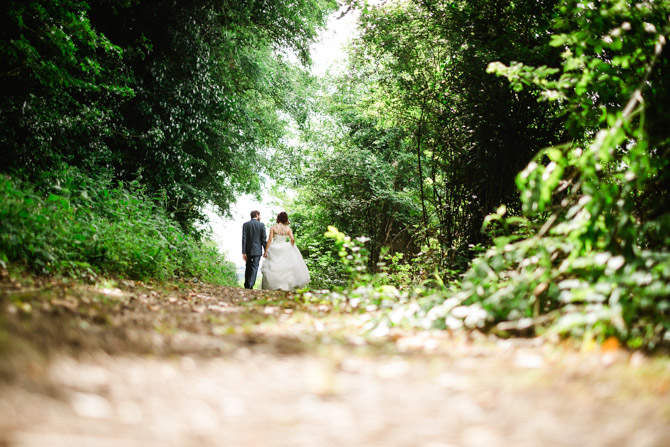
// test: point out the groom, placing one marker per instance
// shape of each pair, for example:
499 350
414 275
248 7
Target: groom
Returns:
253 243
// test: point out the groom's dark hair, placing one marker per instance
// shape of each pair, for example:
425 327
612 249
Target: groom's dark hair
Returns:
254 213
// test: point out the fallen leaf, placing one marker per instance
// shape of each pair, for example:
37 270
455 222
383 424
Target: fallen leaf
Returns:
69 303
611 344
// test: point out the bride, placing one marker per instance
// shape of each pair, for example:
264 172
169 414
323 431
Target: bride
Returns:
283 268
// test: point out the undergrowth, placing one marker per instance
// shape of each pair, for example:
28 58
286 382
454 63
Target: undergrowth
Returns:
73 225
590 256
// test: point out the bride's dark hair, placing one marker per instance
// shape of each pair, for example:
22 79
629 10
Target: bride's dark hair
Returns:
282 218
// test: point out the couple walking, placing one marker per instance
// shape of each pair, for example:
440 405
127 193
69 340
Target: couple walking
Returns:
283 267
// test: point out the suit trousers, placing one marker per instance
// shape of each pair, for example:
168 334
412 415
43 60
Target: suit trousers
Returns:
251 271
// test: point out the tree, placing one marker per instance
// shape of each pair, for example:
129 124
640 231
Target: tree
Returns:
62 81
188 95
598 262
417 78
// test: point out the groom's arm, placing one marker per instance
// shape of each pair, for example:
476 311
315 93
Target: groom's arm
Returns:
263 237
244 243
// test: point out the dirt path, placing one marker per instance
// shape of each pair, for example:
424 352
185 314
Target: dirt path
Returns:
197 365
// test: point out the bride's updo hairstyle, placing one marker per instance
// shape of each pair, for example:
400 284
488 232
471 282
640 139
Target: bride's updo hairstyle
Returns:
282 218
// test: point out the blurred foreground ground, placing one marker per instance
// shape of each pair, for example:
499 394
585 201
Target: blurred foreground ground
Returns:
196 365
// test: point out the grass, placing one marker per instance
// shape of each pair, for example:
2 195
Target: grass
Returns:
76 226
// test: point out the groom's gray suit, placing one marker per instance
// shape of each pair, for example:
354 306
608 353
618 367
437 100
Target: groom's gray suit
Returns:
253 244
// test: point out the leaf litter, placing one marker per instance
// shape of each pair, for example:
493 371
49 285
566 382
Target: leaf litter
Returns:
191 364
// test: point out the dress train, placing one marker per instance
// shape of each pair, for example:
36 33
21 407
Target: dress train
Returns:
284 268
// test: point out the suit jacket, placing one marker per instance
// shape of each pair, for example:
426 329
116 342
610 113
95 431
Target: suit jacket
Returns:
253 238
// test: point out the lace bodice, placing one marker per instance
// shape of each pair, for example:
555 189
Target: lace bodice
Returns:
281 229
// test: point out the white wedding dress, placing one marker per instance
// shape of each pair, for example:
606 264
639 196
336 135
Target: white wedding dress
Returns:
283 268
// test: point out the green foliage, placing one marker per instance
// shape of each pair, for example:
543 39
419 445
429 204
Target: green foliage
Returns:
348 175
469 135
363 191
590 256
415 143
191 94
422 268
363 290
85 226
352 253
61 79
597 260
